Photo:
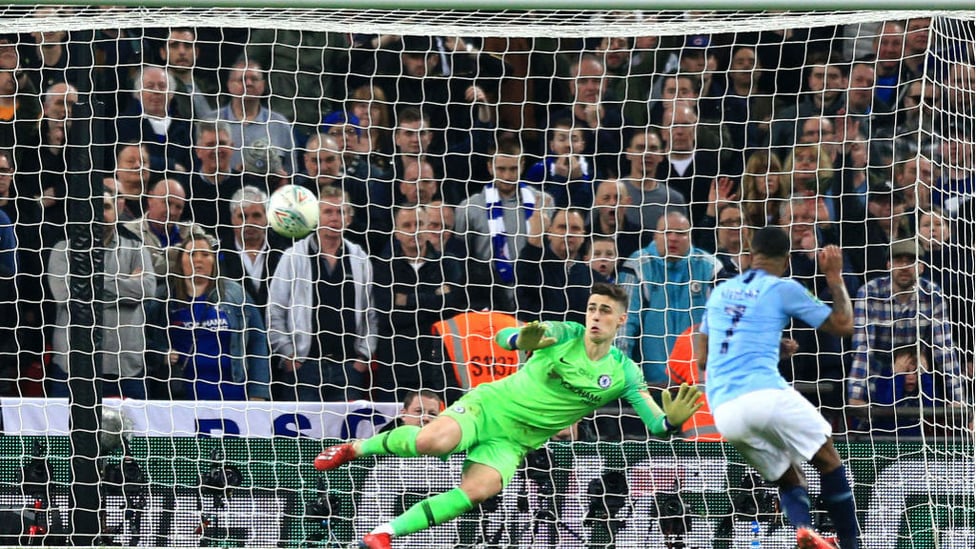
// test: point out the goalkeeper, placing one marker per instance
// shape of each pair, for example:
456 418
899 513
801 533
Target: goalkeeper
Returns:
573 370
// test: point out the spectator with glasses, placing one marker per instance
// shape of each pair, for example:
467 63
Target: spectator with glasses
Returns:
249 119
732 240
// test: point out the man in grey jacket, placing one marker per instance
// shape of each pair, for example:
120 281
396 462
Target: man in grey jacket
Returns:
495 224
321 323
128 280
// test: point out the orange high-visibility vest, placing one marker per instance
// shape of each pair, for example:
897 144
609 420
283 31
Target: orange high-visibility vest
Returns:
469 340
683 368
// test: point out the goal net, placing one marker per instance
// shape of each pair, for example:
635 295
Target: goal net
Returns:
475 170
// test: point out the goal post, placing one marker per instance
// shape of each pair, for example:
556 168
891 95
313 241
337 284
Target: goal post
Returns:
85 315
790 114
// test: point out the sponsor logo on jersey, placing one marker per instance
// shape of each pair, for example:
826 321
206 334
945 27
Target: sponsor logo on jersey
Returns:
459 409
739 294
604 381
585 395
212 324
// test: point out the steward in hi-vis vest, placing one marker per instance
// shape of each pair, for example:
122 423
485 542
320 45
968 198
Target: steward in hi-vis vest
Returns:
469 344
683 368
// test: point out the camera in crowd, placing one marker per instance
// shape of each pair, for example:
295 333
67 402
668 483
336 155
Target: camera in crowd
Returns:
221 478
608 494
320 513
673 514
30 523
757 500
124 478
538 467
218 482
754 499
322 509
35 477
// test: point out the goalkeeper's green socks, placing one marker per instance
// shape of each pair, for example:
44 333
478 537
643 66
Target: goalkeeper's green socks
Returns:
401 442
430 512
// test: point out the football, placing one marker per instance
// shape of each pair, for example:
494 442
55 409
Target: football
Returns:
293 211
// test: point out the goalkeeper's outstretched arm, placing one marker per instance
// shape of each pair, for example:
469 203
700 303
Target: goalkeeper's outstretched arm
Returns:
675 410
531 337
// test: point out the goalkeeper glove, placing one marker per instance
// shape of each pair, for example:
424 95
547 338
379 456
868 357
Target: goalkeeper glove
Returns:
533 336
682 406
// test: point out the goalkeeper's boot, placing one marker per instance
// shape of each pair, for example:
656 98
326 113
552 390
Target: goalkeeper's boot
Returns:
806 538
375 541
334 457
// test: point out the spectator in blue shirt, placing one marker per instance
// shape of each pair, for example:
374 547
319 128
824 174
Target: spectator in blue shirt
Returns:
565 173
911 382
216 336
669 282
249 119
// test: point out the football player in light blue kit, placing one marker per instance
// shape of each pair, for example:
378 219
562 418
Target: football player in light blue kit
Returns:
772 425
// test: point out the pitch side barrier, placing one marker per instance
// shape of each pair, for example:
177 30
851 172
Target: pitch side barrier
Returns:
263 492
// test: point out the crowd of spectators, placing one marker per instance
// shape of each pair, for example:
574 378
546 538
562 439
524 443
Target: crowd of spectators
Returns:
645 161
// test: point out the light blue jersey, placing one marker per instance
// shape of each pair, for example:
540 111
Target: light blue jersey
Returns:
744 320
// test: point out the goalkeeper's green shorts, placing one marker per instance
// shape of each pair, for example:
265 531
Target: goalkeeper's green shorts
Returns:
487 440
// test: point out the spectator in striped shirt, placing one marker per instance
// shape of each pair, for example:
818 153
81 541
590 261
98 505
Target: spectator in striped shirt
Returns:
899 310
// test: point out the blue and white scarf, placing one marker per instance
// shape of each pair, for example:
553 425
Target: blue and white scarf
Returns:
501 254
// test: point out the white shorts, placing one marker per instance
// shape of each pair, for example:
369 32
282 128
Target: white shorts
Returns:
773 429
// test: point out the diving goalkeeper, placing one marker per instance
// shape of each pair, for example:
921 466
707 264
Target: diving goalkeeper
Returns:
573 370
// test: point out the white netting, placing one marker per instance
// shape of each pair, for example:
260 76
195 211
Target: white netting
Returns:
436 141
486 23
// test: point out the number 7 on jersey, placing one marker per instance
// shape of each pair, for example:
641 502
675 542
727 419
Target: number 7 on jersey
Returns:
736 312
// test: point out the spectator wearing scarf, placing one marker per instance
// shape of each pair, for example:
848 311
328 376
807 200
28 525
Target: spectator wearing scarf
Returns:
494 222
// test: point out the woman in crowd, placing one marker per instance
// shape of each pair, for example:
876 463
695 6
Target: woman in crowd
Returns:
811 169
217 341
763 191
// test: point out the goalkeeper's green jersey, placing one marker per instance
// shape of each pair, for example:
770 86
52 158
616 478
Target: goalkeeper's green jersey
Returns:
559 385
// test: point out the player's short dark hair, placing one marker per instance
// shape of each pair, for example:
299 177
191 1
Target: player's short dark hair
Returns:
613 291
771 242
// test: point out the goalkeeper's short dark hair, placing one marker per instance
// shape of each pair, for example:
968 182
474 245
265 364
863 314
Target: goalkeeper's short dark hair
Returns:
770 242
613 291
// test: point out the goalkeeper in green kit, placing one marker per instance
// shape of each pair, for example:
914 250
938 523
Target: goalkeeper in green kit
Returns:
573 370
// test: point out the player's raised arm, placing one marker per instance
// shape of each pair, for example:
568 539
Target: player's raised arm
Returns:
531 337
675 411
841 320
